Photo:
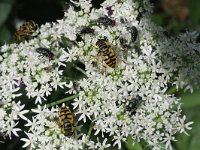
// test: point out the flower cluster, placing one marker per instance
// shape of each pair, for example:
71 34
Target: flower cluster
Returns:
181 57
128 100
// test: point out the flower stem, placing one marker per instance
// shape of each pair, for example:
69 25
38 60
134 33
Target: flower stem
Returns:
62 100
79 69
90 129
89 133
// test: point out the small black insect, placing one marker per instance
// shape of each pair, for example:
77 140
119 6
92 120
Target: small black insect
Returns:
138 50
109 10
122 20
139 16
105 21
45 52
133 104
198 39
123 43
87 30
133 33
166 34
76 85
152 1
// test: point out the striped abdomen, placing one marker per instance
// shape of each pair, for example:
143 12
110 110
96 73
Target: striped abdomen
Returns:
66 121
109 58
107 52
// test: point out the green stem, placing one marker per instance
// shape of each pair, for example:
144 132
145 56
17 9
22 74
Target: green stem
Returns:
62 100
79 69
89 133
90 129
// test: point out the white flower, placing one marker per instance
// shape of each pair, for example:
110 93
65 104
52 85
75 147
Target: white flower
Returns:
11 129
57 82
30 140
39 94
72 87
118 139
2 113
47 89
184 125
84 113
18 110
167 140
103 145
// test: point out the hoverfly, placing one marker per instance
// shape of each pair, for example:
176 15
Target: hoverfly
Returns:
107 52
66 121
25 31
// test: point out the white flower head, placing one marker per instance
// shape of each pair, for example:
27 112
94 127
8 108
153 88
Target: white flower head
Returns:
111 68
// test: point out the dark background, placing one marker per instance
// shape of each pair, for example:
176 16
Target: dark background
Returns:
174 15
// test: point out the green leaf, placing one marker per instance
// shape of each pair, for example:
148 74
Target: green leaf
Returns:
194 11
158 19
4 11
5 35
190 99
195 144
183 141
190 142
